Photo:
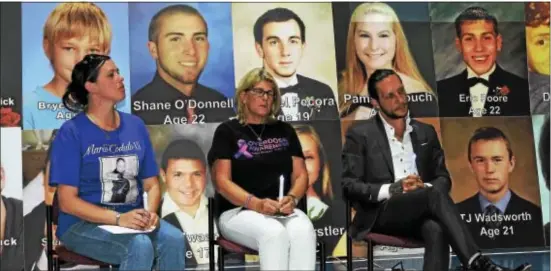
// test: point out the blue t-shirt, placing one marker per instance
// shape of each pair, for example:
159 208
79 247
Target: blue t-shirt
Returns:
107 167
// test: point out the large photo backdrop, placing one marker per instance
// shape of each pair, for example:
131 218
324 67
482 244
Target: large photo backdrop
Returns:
182 62
541 143
537 50
181 154
493 49
372 36
54 37
10 66
11 192
493 168
483 85
286 40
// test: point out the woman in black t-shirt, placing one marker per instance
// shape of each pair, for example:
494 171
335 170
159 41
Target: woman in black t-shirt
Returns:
260 175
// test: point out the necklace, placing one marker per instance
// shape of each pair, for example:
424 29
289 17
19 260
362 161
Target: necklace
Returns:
258 137
95 121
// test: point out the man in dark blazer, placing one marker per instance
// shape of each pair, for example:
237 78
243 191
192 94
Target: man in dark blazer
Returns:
495 215
395 176
484 88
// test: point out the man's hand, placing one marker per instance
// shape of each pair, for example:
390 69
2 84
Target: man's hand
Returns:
412 183
287 205
407 184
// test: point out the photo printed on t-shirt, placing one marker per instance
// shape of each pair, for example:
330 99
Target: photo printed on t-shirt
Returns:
118 179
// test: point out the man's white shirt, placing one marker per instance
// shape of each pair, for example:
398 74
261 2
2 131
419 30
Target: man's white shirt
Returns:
197 225
479 92
403 156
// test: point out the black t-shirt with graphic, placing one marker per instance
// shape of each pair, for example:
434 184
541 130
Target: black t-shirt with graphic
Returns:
256 165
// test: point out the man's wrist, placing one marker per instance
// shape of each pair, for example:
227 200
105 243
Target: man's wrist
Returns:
396 188
117 218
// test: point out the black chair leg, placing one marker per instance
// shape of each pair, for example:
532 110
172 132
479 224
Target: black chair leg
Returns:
370 263
212 258
349 253
56 264
49 237
348 238
220 258
322 256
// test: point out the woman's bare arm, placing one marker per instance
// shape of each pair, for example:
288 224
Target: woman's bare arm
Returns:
299 179
70 203
153 189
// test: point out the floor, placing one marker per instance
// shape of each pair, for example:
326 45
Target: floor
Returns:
539 259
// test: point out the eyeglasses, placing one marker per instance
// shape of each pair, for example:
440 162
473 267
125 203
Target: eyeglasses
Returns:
261 92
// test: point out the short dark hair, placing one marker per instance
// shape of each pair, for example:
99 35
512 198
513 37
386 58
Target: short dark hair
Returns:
171 10
537 13
75 98
375 78
182 149
277 15
543 150
489 133
474 14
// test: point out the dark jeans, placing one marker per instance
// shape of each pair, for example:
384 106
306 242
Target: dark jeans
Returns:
135 252
429 215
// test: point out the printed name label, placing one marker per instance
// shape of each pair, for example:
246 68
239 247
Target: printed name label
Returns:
181 104
483 218
9 101
465 98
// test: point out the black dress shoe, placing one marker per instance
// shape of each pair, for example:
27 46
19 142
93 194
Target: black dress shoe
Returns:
484 263
524 267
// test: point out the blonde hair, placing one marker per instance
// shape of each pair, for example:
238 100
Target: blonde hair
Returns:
354 75
325 173
69 20
248 81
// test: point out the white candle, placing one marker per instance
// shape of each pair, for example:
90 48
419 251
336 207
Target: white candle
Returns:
281 183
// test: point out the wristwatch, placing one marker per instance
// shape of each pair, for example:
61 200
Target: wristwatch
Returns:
118 217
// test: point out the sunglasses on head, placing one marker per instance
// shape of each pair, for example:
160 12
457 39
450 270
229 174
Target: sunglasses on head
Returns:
92 63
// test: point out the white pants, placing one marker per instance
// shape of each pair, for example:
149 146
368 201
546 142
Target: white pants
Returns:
282 243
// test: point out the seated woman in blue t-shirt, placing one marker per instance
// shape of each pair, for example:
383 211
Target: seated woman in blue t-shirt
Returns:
102 162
